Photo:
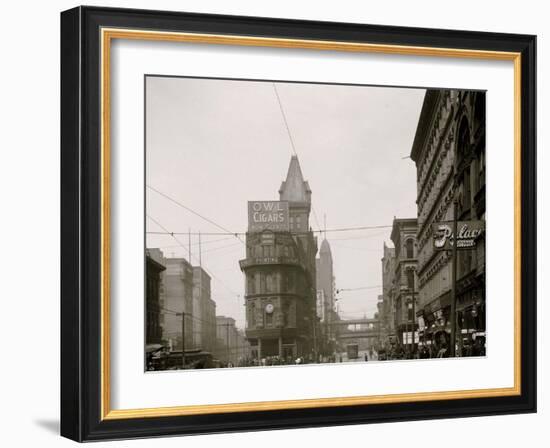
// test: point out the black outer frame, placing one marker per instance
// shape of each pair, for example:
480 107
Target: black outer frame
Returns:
80 223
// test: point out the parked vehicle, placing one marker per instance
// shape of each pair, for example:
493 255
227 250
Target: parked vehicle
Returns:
352 351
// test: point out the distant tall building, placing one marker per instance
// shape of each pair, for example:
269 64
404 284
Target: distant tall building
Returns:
325 292
232 347
204 311
405 291
209 325
153 308
280 274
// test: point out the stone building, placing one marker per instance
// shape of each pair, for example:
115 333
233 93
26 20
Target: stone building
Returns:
204 311
405 288
449 153
280 285
387 320
177 284
232 346
153 307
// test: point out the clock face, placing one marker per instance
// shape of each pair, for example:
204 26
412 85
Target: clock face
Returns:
269 308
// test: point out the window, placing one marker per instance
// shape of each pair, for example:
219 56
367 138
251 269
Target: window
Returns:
410 279
467 201
409 248
250 285
251 315
399 310
465 261
269 282
463 143
481 167
262 283
464 149
290 281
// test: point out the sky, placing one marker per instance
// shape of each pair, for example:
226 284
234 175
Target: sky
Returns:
212 145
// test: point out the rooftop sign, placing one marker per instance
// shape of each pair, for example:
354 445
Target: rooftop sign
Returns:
268 215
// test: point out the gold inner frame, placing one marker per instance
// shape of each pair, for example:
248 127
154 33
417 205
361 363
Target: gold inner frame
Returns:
107 35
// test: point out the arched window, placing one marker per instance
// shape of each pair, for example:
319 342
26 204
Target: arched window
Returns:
409 248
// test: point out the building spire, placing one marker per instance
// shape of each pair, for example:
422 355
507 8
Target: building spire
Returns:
295 188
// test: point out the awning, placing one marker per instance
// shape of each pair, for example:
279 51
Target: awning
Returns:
152 348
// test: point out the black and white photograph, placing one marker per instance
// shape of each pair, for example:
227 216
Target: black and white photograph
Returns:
293 223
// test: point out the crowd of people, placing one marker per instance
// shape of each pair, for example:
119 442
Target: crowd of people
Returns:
438 348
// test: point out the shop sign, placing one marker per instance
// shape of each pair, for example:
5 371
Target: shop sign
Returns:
469 233
407 337
268 215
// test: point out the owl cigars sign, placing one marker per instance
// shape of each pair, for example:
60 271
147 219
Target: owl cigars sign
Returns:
268 215
468 232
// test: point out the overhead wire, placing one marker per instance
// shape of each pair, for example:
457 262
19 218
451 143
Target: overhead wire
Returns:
212 275
342 229
189 209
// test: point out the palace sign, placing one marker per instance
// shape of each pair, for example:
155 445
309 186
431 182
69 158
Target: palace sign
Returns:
469 233
268 215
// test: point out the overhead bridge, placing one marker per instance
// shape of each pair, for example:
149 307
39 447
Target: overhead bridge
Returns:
347 322
359 335
357 328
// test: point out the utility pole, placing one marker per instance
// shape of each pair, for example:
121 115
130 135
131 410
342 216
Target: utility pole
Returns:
315 339
407 330
182 314
189 243
200 251
227 341
453 280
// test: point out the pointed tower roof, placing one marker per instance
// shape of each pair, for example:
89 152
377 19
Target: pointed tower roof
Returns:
295 188
325 248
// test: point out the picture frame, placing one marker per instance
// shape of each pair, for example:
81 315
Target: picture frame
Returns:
86 37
